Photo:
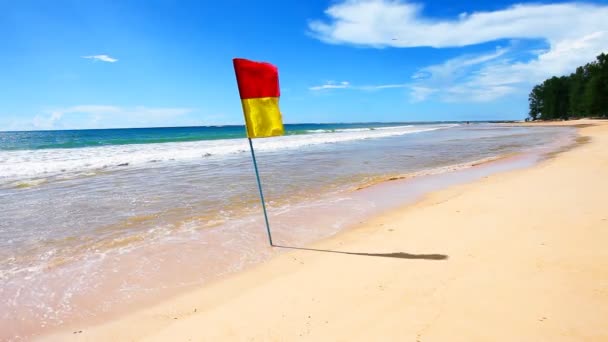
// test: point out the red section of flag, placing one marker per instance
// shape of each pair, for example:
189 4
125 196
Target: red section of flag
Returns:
256 79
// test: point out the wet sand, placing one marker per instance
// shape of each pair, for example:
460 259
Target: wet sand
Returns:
515 256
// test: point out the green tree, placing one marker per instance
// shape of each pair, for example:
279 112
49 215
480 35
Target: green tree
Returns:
583 93
535 100
555 98
596 90
578 81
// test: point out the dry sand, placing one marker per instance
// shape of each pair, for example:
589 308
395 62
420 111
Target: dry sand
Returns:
526 259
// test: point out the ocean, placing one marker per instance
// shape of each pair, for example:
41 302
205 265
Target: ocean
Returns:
93 222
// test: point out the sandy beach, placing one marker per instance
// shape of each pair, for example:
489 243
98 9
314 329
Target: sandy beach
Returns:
516 256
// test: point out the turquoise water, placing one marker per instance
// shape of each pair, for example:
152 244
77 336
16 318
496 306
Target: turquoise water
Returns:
34 140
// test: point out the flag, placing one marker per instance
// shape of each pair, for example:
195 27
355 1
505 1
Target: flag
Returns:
258 84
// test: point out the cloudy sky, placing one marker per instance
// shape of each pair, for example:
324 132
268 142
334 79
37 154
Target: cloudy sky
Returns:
102 64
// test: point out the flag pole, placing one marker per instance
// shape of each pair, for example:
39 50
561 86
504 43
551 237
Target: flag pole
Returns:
257 176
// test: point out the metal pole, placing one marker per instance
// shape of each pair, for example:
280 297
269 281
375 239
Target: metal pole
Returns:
257 176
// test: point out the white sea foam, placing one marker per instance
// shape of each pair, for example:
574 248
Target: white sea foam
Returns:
18 165
363 129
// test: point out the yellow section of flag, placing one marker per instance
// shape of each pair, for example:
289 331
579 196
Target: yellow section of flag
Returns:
263 117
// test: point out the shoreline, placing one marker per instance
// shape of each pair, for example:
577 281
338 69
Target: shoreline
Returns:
266 274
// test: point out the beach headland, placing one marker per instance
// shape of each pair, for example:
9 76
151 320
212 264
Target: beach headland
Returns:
514 256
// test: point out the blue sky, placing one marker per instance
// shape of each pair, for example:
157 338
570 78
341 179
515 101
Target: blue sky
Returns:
102 64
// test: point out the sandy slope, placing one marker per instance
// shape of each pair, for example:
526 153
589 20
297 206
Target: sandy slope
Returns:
527 260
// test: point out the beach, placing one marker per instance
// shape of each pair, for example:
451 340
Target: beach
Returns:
96 224
516 255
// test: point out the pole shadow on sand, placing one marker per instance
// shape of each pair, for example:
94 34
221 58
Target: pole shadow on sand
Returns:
398 255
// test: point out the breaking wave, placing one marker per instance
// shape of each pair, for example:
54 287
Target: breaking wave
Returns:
28 164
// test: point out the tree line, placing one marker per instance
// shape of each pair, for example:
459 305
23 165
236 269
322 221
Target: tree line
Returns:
582 94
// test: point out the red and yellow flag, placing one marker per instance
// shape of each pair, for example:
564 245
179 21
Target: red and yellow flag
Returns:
259 89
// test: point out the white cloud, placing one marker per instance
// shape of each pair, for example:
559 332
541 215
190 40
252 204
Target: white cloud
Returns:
401 24
453 68
103 58
490 76
460 79
420 93
348 85
575 34
102 116
382 86
331 85
47 121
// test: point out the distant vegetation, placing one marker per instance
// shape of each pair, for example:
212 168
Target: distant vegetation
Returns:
582 94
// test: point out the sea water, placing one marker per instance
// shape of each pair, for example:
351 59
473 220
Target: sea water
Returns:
94 221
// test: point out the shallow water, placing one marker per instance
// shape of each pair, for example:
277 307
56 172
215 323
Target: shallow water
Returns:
90 230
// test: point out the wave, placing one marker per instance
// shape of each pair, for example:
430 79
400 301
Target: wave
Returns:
363 129
30 164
